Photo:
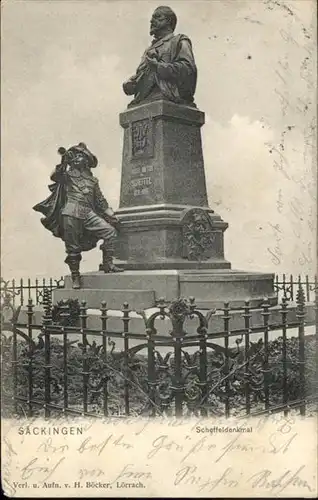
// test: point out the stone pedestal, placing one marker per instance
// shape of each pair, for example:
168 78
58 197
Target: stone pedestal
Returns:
162 156
165 218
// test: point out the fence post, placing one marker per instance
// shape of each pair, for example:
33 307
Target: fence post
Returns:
14 365
284 285
64 316
316 302
226 320
126 320
203 334
65 373
179 310
247 316
307 288
265 313
47 320
178 386
276 286
37 292
29 288
151 332
85 372
21 292
30 364
284 331
104 319
301 313
13 292
291 287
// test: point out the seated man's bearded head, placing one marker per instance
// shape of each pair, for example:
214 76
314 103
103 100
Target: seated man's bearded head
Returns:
163 19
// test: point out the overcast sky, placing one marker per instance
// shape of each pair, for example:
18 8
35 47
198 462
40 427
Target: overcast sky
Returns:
63 63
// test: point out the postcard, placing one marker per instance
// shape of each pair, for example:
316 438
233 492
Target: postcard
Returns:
159 219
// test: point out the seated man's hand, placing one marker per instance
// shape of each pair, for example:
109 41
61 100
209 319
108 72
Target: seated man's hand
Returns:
109 211
152 62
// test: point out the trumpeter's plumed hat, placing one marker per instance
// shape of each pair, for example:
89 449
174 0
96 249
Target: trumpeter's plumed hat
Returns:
79 148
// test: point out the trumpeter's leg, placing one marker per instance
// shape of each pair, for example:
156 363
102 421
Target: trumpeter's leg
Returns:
73 261
72 228
106 232
108 251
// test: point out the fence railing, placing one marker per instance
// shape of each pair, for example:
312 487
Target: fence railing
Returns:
287 286
63 366
22 290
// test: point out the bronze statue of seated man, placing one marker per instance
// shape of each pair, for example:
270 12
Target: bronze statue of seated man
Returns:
167 69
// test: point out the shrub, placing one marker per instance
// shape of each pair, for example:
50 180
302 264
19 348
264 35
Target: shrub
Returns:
112 374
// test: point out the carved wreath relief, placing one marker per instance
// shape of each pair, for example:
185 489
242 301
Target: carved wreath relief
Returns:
198 235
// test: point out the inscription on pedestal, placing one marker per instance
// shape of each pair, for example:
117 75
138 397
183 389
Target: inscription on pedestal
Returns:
141 138
141 186
141 170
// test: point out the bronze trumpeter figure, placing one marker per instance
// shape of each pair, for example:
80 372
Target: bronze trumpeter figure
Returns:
77 212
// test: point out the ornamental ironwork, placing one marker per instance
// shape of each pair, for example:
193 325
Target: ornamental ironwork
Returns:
54 367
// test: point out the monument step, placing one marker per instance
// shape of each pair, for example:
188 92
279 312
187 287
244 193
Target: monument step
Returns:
147 279
114 298
162 283
211 288
165 264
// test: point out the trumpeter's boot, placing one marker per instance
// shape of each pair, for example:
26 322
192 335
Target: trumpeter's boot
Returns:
74 265
108 265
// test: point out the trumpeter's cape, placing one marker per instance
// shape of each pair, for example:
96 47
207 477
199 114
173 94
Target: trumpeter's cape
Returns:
51 209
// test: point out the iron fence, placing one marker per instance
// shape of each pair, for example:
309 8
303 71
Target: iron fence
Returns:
21 290
63 366
287 286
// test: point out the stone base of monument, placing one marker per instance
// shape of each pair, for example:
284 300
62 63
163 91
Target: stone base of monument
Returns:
142 289
166 222
171 236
